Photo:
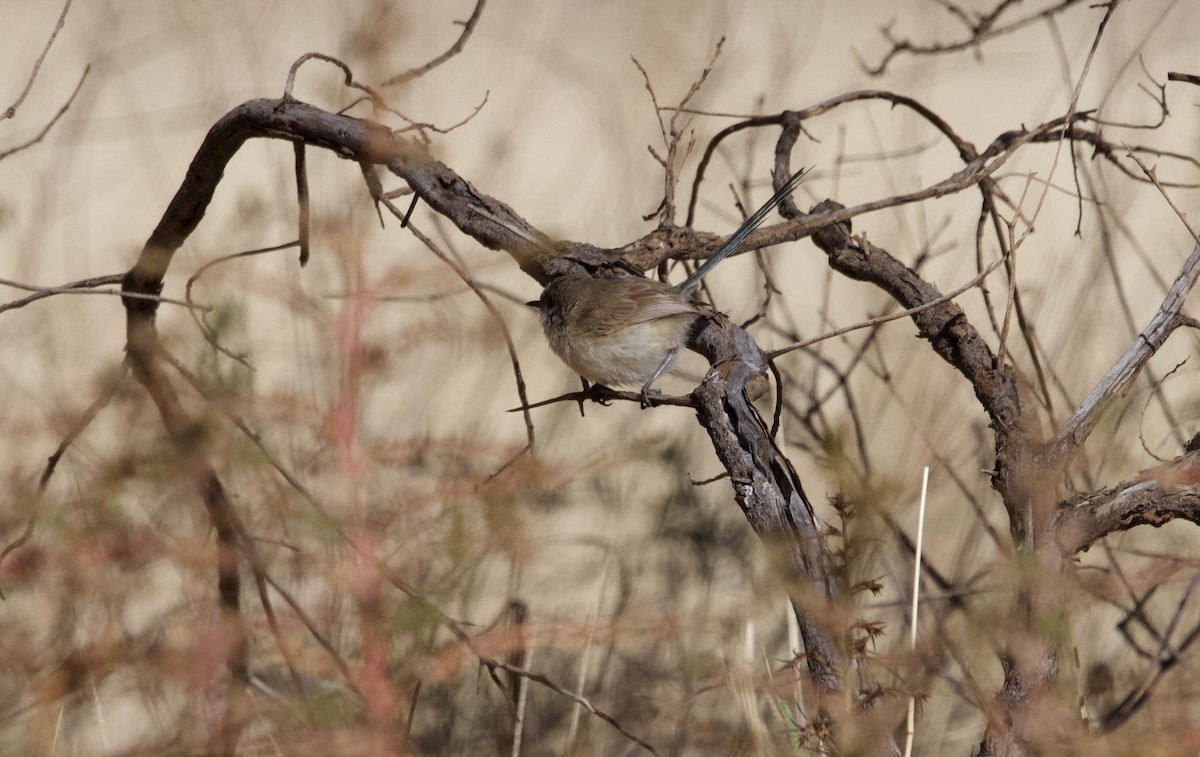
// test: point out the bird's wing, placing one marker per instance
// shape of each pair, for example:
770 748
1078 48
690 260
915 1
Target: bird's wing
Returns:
662 308
619 303
656 301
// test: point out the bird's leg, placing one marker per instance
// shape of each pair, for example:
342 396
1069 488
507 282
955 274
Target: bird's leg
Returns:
586 389
654 377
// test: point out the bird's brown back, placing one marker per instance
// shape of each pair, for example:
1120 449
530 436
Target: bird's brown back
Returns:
599 307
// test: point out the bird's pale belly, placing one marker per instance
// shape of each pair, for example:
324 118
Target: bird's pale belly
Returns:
621 358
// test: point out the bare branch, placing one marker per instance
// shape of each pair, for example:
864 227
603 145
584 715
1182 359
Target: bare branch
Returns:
891 316
544 681
11 110
468 27
85 286
44 292
85 420
1120 377
1156 497
980 32
494 312
1185 78
201 321
46 129
348 79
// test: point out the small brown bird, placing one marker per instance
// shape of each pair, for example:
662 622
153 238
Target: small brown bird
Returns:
627 331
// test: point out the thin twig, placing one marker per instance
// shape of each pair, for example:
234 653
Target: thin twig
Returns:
84 421
582 701
11 110
1154 392
1117 381
303 219
210 334
771 355
81 287
43 293
260 572
348 79
980 32
455 49
49 125
603 395
497 316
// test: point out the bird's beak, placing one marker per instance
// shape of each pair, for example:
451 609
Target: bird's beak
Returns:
535 304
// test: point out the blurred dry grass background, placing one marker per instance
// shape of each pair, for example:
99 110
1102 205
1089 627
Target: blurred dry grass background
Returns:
648 593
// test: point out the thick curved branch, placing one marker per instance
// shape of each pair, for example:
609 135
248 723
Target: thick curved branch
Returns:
769 492
1157 496
485 219
945 326
1017 474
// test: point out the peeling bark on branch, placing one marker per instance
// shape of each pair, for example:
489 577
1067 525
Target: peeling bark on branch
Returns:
1156 497
955 340
773 500
1117 382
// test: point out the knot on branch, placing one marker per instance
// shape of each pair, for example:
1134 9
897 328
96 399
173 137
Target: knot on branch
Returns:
833 236
138 281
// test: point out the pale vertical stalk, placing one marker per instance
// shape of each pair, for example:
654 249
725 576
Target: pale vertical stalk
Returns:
521 700
100 721
57 728
793 628
794 650
585 658
741 682
580 683
1079 686
916 593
